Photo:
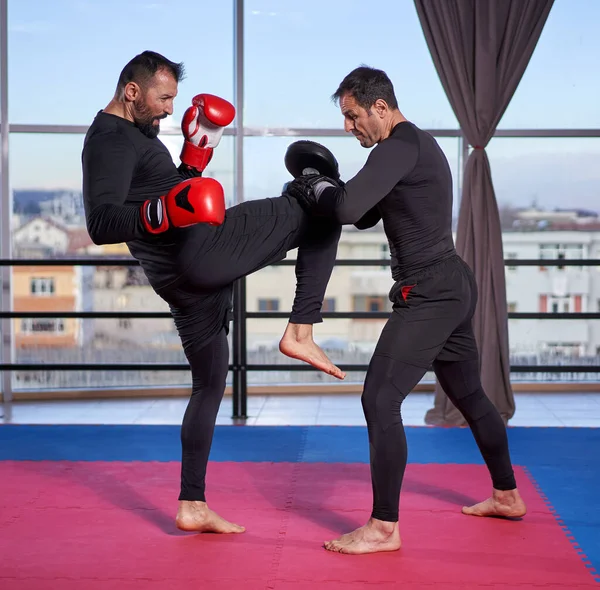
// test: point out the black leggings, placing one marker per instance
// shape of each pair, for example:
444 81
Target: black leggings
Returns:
255 234
209 373
430 327
387 385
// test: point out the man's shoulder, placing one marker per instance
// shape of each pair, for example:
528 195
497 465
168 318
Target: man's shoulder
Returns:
111 128
403 140
406 132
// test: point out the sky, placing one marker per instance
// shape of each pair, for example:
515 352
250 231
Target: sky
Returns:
65 57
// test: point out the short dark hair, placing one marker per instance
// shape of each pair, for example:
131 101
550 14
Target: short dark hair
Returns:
366 85
143 67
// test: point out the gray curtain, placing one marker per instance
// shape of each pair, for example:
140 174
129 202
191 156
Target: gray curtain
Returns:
481 49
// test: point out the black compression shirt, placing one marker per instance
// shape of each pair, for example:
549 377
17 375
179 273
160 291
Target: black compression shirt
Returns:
407 183
122 168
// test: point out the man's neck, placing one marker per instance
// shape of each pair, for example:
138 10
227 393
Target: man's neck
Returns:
118 108
397 117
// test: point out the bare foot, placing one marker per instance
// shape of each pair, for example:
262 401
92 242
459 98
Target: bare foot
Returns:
374 537
506 504
199 518
297 342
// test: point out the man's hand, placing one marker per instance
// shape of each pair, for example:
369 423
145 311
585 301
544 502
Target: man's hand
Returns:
308 188
197 200
202 125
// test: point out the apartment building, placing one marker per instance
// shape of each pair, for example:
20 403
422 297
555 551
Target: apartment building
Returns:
59 288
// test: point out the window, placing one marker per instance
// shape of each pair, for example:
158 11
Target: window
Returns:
567 51
561 252
512 256
371 303
265 173
533 182
565 349
268 305
42 286
512 307
46 325
561 304
385 253
293 68
68 33
328 304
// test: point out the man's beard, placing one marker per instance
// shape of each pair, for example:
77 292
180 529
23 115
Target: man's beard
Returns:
144 119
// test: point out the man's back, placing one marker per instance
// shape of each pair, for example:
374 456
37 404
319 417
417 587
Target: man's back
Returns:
122 166
143 166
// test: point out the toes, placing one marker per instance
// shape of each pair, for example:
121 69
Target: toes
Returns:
332 546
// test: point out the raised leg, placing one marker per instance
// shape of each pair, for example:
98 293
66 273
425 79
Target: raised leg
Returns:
316 258
254 235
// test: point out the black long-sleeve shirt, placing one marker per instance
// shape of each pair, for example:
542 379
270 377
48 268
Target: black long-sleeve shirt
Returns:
122 168
406 182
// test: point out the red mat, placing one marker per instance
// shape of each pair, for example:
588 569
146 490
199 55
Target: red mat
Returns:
110 525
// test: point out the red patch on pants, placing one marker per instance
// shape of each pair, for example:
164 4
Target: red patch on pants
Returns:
406 290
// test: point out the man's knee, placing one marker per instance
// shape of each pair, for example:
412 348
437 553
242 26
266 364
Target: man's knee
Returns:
462 383
387 384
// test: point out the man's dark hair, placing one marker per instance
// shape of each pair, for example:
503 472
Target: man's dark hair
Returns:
142 68
366 85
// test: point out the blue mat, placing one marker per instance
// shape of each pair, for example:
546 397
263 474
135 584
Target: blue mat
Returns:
565 462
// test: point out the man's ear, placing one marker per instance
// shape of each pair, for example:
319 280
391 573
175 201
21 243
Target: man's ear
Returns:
381 107
131 91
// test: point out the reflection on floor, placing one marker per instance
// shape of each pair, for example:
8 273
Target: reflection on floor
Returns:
533 409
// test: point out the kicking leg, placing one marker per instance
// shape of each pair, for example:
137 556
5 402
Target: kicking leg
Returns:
462 384
316 258
387 384
258 233
209 372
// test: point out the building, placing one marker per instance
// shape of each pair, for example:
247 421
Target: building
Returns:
51 289
124 289
540 289
60 288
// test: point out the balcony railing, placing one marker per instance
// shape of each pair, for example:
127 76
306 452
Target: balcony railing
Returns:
239 365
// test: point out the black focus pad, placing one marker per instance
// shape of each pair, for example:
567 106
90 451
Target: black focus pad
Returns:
310 156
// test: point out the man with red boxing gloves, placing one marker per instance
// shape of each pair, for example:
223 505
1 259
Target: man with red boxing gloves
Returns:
191 249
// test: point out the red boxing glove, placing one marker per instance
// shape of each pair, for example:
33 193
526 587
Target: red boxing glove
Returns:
197 200
202 125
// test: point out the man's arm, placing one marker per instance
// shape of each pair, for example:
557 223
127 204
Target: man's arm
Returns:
187 172
108 162
387 164
370 219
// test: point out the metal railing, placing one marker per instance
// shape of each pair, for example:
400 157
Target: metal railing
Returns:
239 365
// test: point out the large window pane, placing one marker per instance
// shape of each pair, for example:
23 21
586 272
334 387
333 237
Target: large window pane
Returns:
547 191
65 57
559 89
296 54
48 216
265 172
546 174
350 289
48 222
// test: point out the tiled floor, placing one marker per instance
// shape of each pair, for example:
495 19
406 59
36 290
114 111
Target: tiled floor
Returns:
543 409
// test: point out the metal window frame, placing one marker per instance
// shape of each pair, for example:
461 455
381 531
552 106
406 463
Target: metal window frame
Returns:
238 131
6 347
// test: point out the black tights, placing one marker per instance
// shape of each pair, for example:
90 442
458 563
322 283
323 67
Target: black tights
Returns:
209 374
387 384
254 235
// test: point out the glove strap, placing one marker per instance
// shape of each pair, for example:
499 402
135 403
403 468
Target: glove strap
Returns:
195 157
154 216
